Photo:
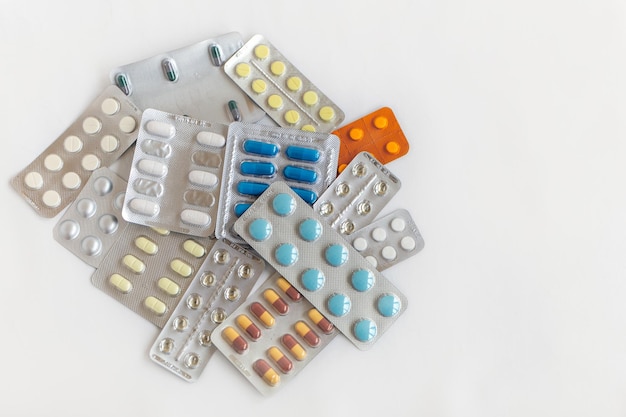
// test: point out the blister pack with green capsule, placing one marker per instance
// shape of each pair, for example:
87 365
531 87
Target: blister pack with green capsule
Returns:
190 81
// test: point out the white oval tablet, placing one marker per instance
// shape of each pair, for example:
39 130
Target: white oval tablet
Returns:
157 128
109 143
71 180
146 207
150 167
195 217
91 125
127 124
211 139
203 178
53 162
33 180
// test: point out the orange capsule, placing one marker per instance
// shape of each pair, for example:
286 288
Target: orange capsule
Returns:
274 299
247 326
293 346
280 359
322 322
265 371
307 334
288 289
262 314
236 341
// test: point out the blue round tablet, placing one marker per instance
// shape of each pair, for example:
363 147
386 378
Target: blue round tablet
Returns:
365 330
286 254
313 279
310 230
389 305
362 280
339 304
336 255
283 204
260 229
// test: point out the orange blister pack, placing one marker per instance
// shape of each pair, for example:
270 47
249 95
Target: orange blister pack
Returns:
378 133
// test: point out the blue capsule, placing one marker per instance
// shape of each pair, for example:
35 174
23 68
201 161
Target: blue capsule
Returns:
263 169
260 229
300 174
365 330
251 188
303 154
307 195
362 280
336 255
310 230
313 279
241 208
286 254
339 304
260 148
283 204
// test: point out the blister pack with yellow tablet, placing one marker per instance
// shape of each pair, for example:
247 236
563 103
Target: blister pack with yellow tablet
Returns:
221 284
97 138
278 87
189 80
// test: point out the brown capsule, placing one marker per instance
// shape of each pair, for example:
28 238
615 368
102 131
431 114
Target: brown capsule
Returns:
247 326
280 359
262 314
276 301
322 322
288 289
293 346
237 342
265 371
307 334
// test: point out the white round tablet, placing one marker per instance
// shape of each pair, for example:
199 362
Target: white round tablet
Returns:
51 198
109 143
71 181
90 162
73 144
407 243
53 162
398 224
128 124
379 234
91 125
110 106
33 180
388 253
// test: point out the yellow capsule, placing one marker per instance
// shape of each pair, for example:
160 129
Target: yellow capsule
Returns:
120 283
134 264
194 248
146 245
155 305
168 286
181 268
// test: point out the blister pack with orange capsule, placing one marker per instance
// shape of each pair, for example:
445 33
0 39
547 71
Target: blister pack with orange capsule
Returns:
273 335
378 133
222 283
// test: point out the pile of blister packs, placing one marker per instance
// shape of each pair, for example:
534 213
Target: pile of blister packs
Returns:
248 222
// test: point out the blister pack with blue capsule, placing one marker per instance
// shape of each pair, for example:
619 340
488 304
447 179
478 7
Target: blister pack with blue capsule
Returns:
316 259
258 155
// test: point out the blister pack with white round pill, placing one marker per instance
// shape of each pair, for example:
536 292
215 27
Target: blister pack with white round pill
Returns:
97 138
317 260
221 284
278 87
190 81
93 223
257 155
174 180
149 269
273 335
389 240
358 194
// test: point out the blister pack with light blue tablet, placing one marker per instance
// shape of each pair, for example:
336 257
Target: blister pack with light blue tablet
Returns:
221 284
191 81
257 155
174 180
317 260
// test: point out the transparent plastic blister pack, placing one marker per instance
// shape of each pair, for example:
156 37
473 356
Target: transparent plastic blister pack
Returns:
221 284
292 237
97 138
389 240
174 181
357 195
273 335
148 270
279 88
257 155
190 81
93 223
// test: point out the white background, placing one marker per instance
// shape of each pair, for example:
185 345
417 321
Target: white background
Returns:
515 177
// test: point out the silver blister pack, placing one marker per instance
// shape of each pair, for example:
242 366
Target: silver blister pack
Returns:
273 335
148 270
317 260
358 194
97 138
174 180
388 240
190 81
257 155
221 284
93 223
279 88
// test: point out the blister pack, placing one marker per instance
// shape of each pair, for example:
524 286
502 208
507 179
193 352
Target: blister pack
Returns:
221 284
257 155
378 133
97 138
149 269
274 335
92 224
292 237
190 81
388 240
175 176
279 88
357 195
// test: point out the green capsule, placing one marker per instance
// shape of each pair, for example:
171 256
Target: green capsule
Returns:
216 55
169 69
234 110
123 83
